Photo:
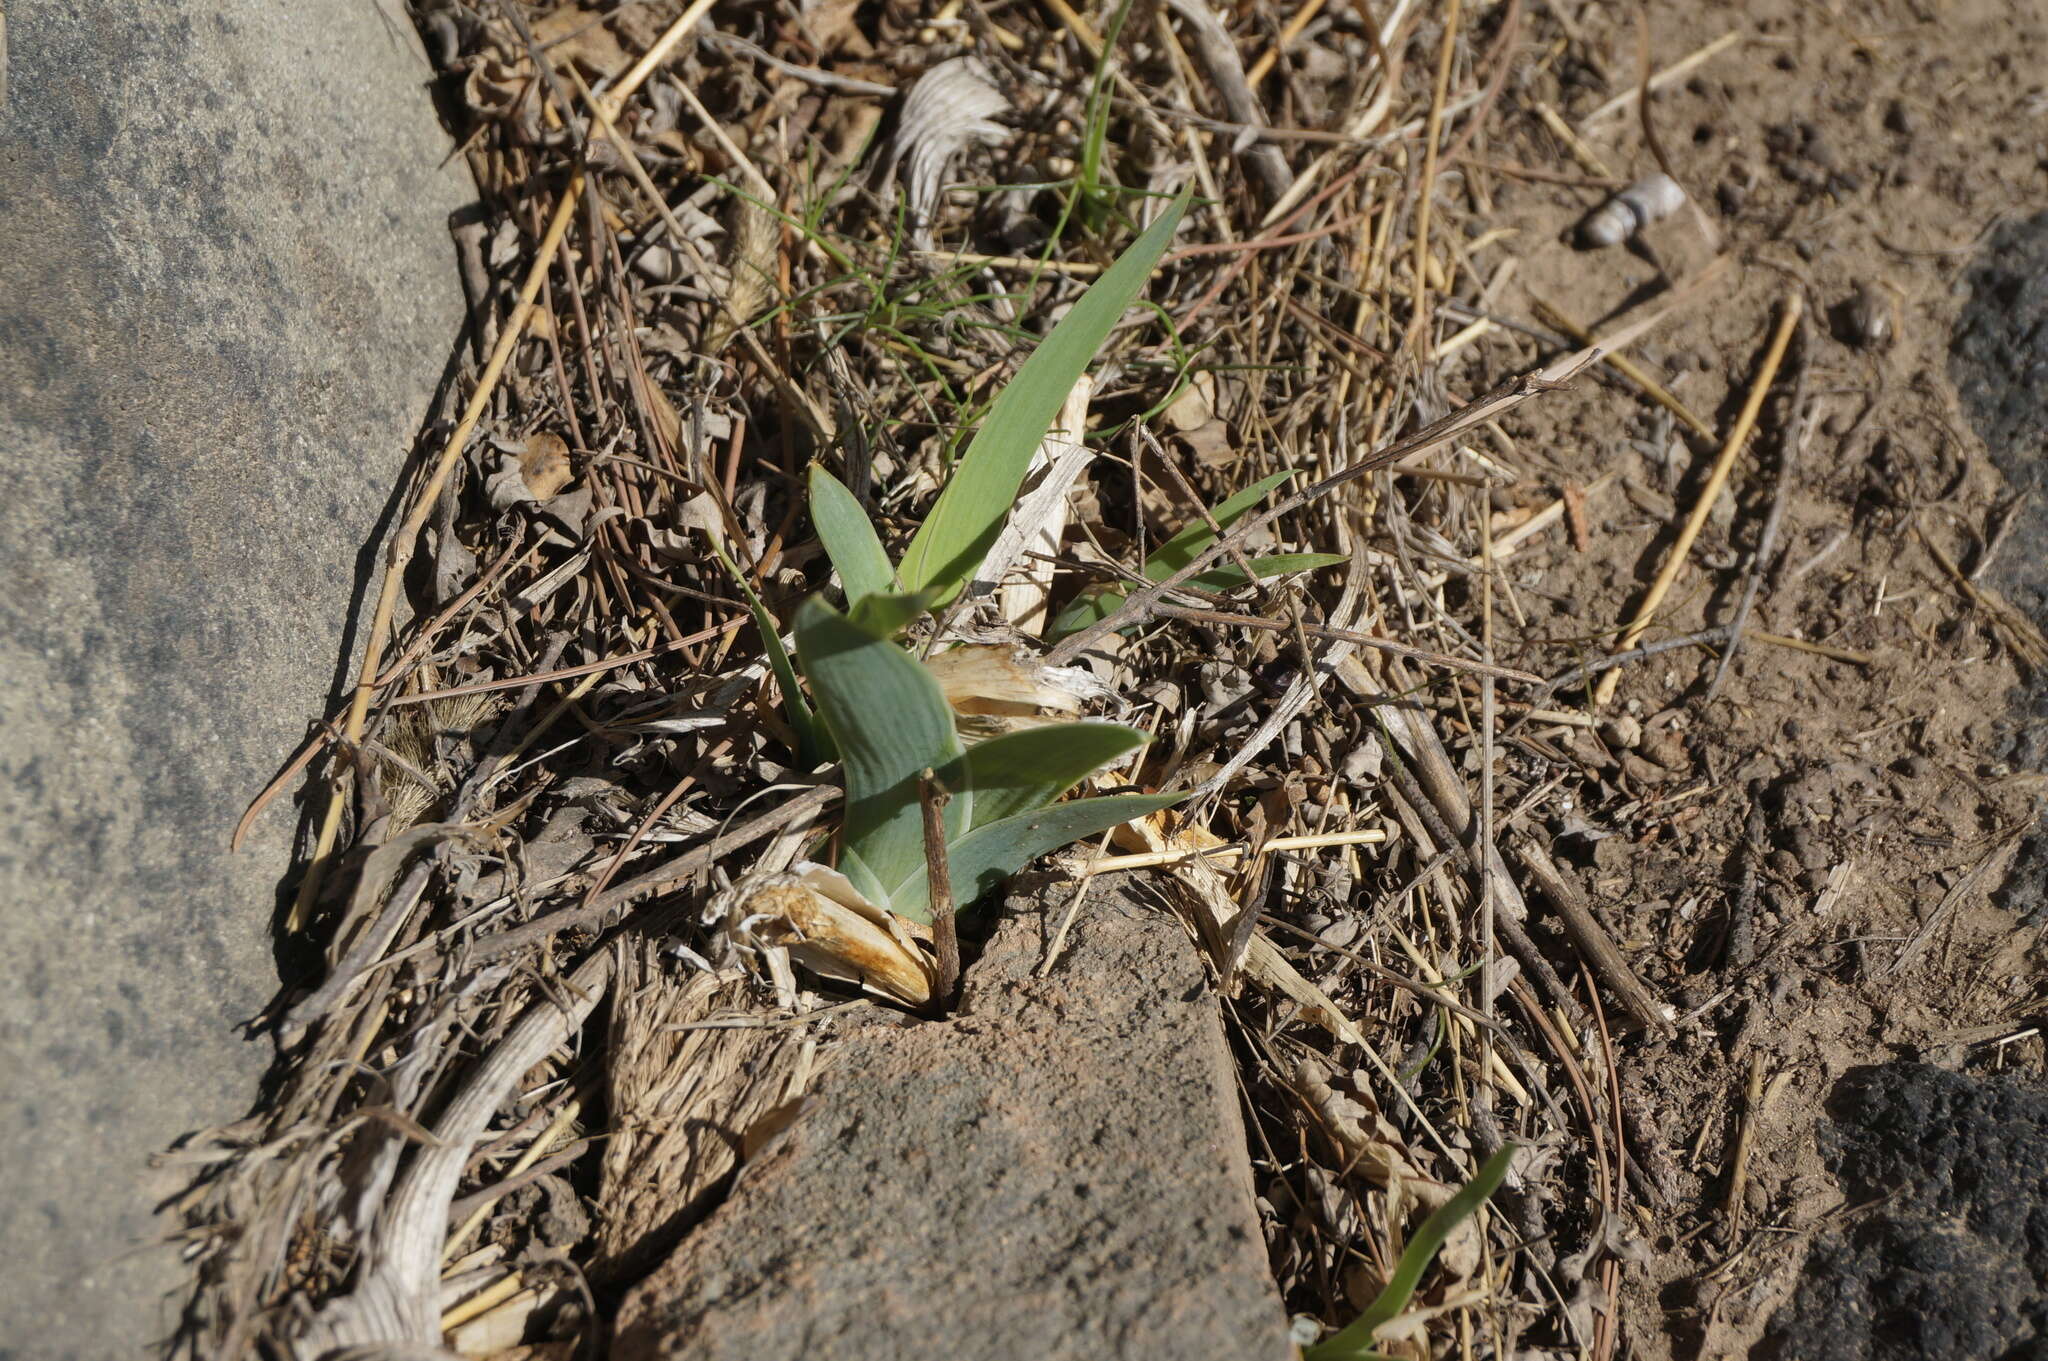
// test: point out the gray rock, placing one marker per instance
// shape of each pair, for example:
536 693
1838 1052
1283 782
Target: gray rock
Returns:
1057 1172
1947 1252
226 293
1998 361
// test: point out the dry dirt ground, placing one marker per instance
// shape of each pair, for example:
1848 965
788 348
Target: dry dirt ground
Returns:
1819 863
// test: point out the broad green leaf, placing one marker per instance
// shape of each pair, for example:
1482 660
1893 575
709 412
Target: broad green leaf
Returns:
1184 547
811 749
861 877
980 861
1027 769
1096 606
887 613
1355 1342
891 724
949 546
849 538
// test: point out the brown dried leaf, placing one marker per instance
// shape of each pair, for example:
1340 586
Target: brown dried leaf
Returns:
1196 405
544 467
825 924
1008 682
575 34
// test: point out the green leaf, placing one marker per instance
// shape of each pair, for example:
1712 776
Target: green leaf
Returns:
887 613
1089 608
810 744
1027 769
1096 606
964 522
860 876
1184 547
1093 606
978 862
849 538
1355 1342
1221 579
891 724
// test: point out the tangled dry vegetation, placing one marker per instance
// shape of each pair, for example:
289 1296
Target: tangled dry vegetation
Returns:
716 245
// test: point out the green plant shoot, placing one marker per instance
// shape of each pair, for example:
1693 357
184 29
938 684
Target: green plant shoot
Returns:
885 714
1355 1342
963 524
1092 607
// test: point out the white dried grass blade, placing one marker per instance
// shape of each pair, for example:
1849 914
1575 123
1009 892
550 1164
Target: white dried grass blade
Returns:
1022 557
950 110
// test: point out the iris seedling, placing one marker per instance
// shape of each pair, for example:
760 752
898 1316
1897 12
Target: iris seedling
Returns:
884 713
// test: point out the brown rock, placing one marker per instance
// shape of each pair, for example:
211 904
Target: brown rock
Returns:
1057 1171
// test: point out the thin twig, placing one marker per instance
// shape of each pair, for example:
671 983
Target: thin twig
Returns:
932 798
664 878
1789 449
1717 478
1371 640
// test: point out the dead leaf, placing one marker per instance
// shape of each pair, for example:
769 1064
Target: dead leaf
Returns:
1196 404
829 927
950 110
544 467
574 34
1575 516
997 688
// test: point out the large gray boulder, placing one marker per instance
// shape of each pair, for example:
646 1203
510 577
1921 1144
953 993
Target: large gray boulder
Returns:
226 294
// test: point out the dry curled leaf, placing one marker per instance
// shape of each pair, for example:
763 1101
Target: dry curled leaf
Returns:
574 34
544 467
994 688
951 109
826 925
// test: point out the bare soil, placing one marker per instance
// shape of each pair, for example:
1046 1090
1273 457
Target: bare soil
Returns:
1863 153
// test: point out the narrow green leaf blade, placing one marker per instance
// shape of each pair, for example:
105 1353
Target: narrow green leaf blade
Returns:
861 877
978 862
1184 547
1083 611
969 514
849 538
810 743
891 724
1094 607
1029 768
1355 1341
1273 565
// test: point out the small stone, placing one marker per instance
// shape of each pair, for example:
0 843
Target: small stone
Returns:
1641 771
1624 731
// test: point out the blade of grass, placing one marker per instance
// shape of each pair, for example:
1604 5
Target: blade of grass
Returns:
1095 606
1355 1342
1180 550
811 747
